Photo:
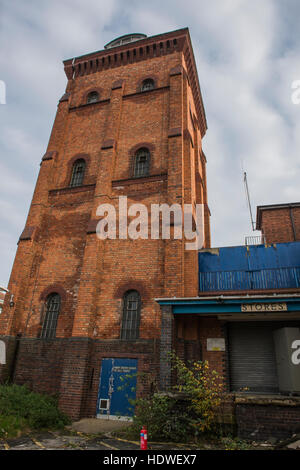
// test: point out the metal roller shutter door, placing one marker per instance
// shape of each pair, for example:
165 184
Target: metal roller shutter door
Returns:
252 357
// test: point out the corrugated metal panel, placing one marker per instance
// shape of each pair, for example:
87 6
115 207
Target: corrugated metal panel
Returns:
252 357
280 278
240 258
247 268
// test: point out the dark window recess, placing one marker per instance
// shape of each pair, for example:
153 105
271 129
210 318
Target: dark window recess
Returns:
131 315
92 97
147 85
104 404
142 163
52 311
78 173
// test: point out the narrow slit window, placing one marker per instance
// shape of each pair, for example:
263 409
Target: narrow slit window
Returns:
131 315
53 303
142 163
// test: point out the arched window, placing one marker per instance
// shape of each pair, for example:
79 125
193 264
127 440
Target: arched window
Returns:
131 315
51 316
78 173
142 162
92 97
147 84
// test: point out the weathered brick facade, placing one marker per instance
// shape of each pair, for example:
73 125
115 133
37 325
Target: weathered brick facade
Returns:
59 252
279 223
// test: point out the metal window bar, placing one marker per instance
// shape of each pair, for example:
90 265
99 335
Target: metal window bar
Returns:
78 173
131 316
51 316
142 160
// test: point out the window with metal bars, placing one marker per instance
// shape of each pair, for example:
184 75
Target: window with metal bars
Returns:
142 162
78 173
51 316
131 315
92 97
147 85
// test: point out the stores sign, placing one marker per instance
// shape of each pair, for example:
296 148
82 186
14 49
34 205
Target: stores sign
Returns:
265 307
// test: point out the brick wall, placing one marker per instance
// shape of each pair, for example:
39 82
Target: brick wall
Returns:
280 225
262 422
70 368
191 344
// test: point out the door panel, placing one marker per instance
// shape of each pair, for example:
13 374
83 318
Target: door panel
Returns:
117 387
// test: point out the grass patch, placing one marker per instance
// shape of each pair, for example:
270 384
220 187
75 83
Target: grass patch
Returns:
22 409
11 426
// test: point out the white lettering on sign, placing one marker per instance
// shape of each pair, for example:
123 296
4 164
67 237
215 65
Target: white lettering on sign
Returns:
2 353
123 369
296 354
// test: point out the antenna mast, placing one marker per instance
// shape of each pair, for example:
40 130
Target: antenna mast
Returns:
248 200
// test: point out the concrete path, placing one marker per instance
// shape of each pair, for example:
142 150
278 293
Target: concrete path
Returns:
96 426
57 441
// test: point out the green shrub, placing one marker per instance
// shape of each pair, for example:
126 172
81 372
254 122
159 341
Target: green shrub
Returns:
165 418
204 390
189 411
38 411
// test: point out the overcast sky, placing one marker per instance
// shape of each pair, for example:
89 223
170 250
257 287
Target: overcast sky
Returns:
247 54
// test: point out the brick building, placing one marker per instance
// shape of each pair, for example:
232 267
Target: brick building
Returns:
279 222
130 124
86 311
246 323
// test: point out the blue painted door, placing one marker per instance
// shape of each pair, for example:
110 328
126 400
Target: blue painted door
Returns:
117 387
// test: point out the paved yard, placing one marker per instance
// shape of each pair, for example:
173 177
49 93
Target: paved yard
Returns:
75 441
